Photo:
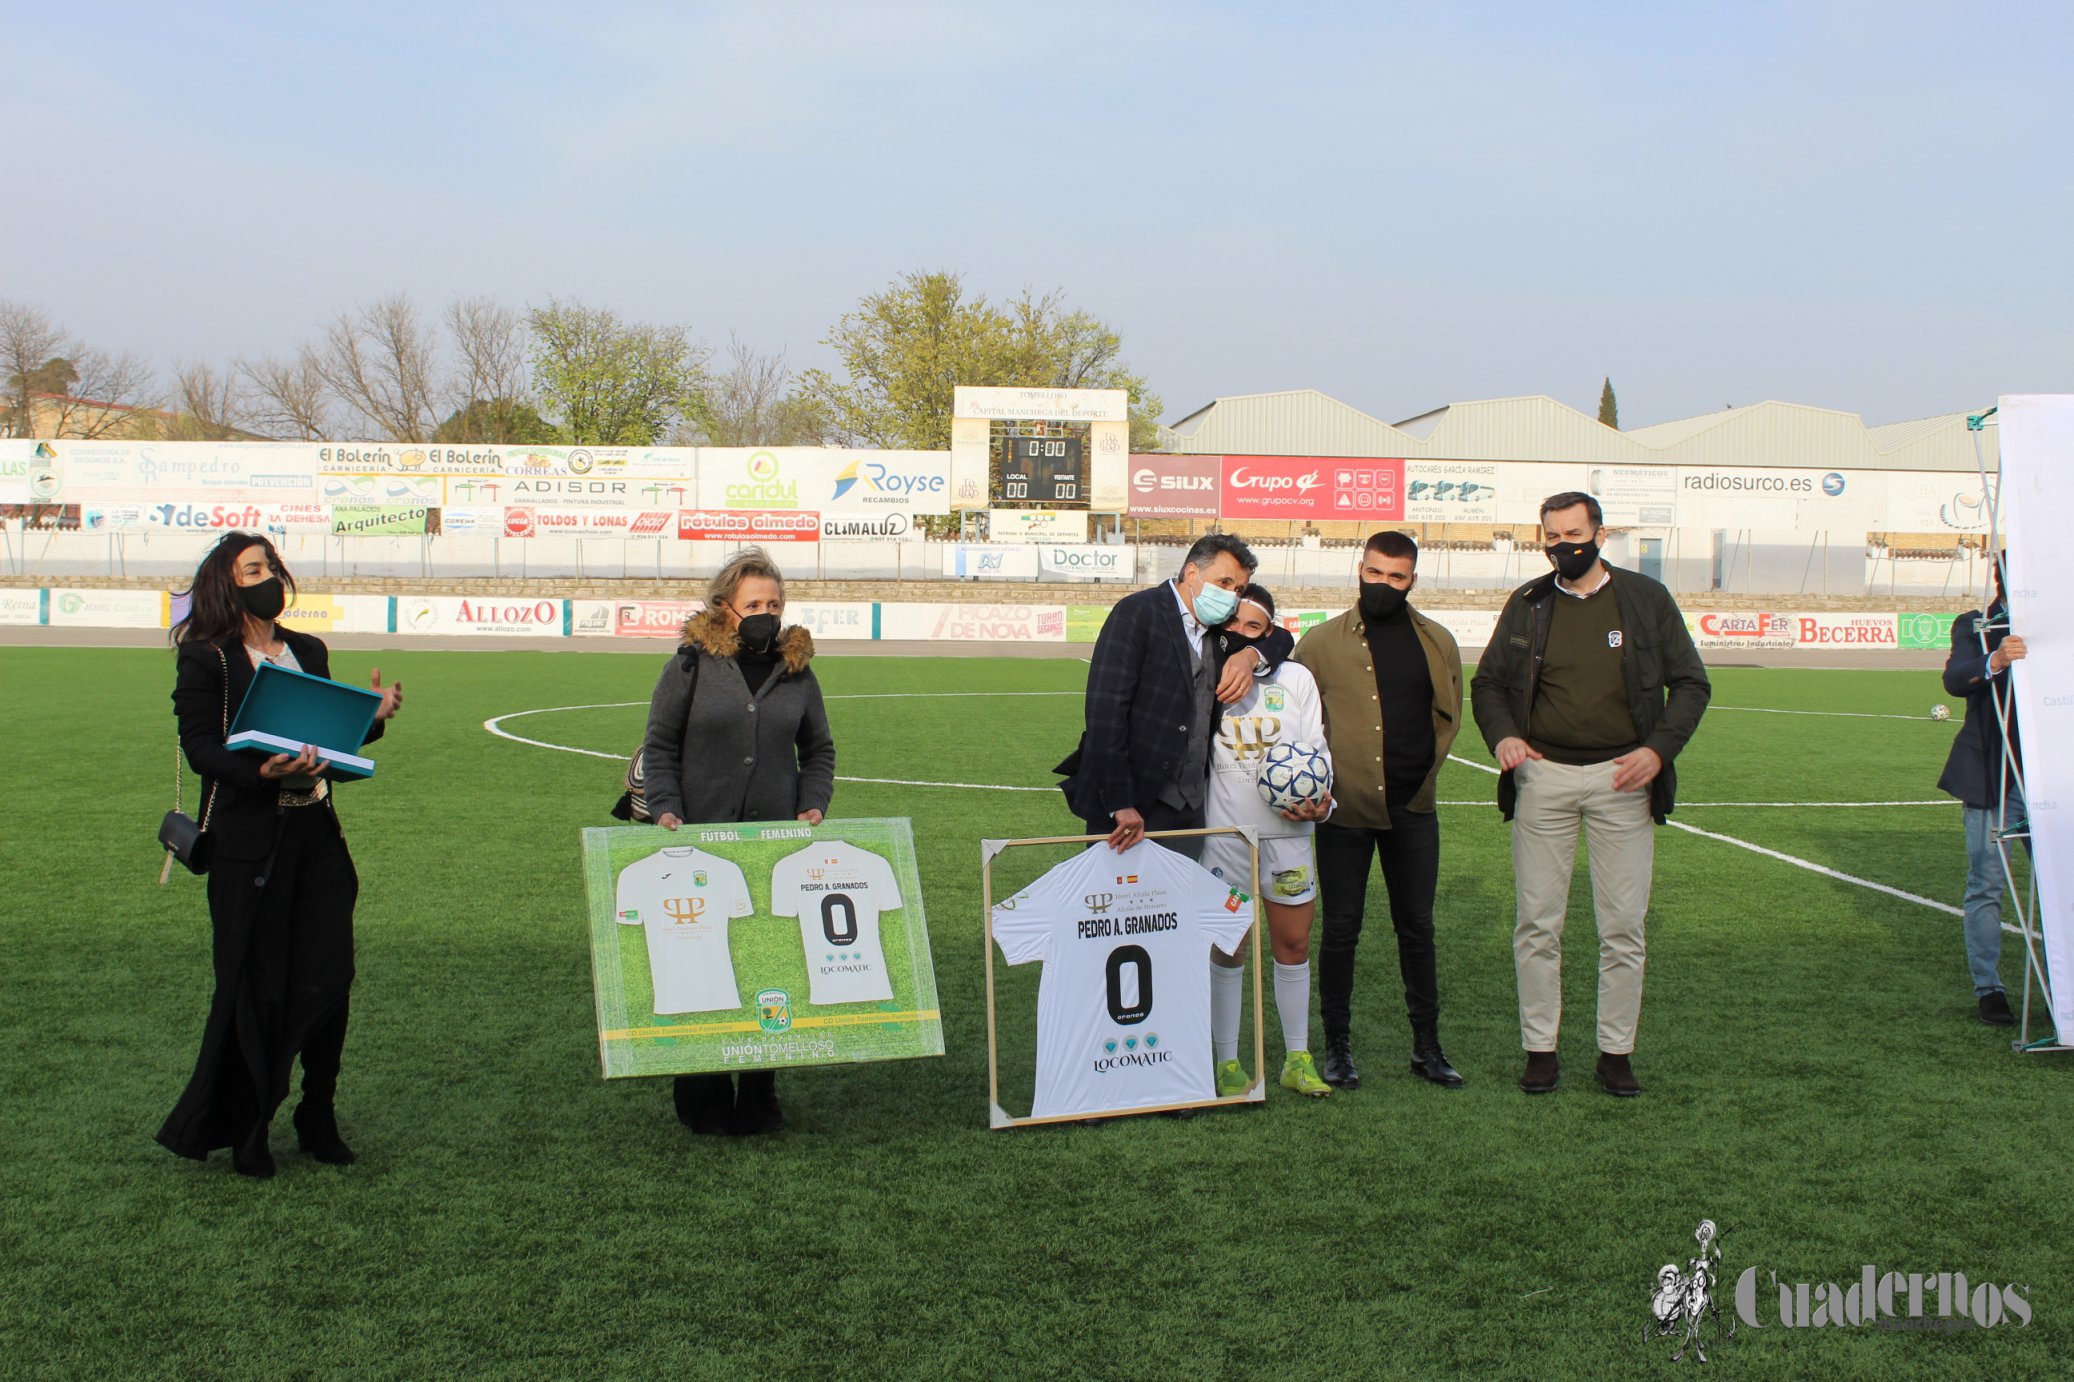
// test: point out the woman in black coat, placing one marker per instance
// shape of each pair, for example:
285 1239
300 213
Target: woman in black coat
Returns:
281 884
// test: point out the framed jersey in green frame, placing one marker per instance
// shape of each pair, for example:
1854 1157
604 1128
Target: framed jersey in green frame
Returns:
758 946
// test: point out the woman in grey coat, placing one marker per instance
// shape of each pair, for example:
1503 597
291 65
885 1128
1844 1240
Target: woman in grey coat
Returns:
737 732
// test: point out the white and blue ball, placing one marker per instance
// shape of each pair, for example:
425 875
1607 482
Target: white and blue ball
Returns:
1293 775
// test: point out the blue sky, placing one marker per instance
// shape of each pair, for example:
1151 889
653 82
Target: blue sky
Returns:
1857 206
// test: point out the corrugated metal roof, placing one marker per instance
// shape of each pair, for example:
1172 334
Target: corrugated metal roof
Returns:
1304 422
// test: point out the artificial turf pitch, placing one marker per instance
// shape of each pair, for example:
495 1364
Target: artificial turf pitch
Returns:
1816 1085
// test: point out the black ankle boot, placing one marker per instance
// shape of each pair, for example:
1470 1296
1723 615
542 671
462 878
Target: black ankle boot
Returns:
706 1104
1337 1069
316 1129
253 1157
757 1103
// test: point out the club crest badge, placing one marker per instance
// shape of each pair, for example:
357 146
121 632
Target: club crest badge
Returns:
1613 638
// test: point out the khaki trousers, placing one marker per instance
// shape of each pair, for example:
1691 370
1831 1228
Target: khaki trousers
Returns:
1620 844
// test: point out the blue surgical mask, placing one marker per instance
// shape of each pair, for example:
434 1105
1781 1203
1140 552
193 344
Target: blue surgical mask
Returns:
1214 604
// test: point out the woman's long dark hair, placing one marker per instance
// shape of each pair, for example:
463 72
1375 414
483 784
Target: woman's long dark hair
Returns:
214 611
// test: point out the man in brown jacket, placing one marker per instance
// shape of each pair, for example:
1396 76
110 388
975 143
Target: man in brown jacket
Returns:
1391 683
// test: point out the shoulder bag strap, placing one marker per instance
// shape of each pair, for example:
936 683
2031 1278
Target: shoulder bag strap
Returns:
223 662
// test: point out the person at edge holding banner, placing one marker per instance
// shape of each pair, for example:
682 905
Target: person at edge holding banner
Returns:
738 733
1588 690
1280 708
1983 778
1154 691
1391 680
281 884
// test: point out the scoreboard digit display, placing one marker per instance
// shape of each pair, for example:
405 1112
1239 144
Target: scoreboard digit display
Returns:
1043 470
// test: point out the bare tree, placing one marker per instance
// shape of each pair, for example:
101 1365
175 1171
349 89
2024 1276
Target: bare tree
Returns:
58 386
379 361
749 404
208 404
290 399
490 392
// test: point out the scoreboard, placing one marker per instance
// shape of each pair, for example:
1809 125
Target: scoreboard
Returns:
1043 470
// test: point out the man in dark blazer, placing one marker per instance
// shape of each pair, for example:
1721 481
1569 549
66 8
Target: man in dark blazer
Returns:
1983 778
1153 687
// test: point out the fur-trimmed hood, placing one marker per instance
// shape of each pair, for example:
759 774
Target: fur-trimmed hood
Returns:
708 632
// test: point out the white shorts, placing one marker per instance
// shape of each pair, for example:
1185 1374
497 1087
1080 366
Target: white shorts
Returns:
1288 872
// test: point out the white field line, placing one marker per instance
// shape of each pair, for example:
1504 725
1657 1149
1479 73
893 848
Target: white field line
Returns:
495 726
1832 714
1798 862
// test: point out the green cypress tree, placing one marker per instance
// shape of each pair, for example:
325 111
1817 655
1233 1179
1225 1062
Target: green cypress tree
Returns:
1609 411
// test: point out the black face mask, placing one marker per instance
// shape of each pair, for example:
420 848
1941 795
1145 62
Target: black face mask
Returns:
758 632
1572 559
1232 641
265 600
1381 600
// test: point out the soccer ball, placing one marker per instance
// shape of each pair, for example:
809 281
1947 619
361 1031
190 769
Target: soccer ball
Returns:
1940 711
1293 775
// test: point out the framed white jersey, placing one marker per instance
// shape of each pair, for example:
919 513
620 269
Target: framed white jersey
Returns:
684 898
1123 1007
837 891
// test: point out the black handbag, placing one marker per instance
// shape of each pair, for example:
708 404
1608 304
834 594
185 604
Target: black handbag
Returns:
184 838
633 802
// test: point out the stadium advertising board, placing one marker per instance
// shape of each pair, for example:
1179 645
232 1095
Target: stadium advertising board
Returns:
833 619
381 520
1312 488
1108 466
974 623
323 614
428 491
1925 631
1472 628
1743 629
631 618
1173 486
495 615
758 946
1041 405
824 480
1844 631
1778 500
21 606
967 561
106 609
138 472
1036 525
1451 491
1086 562
1633 496
1934 502
748 525
884 527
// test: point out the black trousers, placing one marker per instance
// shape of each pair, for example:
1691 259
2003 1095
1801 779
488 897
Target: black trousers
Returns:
1160 816
1410 854
284 966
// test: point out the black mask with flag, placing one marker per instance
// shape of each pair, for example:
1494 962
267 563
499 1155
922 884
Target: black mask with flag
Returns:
1572 559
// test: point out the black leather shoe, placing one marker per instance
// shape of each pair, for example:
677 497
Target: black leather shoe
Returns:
316 1129
1616 1076
253 1157
1994 1009
1543 1073
756 1104
1337 1069
1430 1063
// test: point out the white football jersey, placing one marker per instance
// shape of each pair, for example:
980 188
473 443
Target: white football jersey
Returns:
1280 709
684 898
1123 1010
837 891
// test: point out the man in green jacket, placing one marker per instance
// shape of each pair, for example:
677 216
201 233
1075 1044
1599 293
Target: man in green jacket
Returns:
1588 690
1390 681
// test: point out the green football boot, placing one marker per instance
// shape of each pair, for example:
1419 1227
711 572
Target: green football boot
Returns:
1231 1079
1301 1074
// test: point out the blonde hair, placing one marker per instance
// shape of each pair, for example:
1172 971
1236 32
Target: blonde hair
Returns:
750 561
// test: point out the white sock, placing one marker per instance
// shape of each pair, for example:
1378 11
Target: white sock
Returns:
1227 986
1293 1002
